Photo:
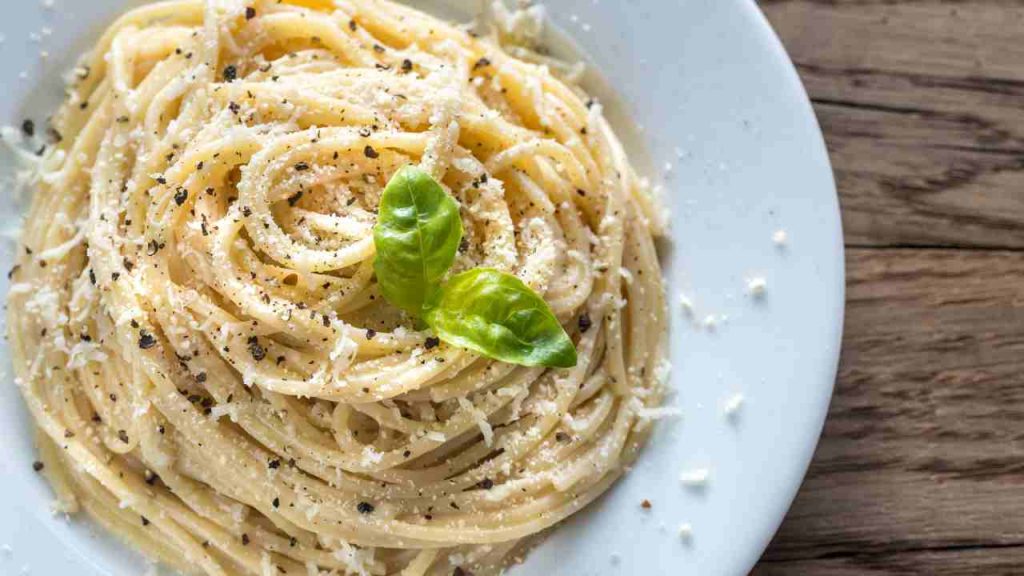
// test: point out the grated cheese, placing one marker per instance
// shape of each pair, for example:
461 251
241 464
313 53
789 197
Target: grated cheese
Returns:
756 287
697 478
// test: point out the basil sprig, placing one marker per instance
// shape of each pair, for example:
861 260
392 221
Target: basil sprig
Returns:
490 312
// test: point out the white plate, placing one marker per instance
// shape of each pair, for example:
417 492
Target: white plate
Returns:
709 90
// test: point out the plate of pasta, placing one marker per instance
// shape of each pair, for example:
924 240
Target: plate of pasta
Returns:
326 287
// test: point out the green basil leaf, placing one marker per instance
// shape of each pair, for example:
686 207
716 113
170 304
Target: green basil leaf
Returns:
496 315
417 235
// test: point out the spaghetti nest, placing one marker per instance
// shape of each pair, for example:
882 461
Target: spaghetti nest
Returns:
198 333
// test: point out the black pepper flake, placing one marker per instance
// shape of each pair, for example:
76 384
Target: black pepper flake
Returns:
406 65
250 12
38 466
29 128
293 541
407 453
326 321
365 508
369 152
245 539
199 165
257 351
246 211
646 504
432 342
481 63
122 435
128 264
201 377
276 502
562 437
352 25
301 167
581 192
370 333
234 107
294 199
486 484
152 247
161 180
230 73
180 196
584 322
146 340
145 521
378 48
14 270
274 464
92 277
134 323
69 434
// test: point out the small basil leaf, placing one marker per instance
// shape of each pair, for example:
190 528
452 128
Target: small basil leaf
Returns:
496 315
417 235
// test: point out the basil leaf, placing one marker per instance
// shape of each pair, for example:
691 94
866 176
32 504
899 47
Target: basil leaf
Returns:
498 316
417 235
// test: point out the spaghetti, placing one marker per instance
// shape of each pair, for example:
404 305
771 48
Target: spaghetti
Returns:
196 326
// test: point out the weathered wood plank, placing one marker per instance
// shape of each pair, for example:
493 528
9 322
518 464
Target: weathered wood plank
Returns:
920 102
923 453
949 562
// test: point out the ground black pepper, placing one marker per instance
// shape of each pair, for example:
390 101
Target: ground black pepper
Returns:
584 322
146 340
257 351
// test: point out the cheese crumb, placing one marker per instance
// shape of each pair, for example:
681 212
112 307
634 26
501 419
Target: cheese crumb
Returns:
697 478
780 238
686 532
732 405
686 304
756 287
710 322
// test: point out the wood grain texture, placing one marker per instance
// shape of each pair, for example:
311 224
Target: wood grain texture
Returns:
921 466
921 106
923 452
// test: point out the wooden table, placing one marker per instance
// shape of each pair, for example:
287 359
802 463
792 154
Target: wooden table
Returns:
921 467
